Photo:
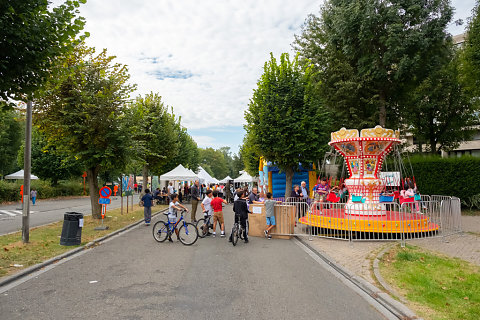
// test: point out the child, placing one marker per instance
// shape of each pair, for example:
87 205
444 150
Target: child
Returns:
321 191
270 214
206 205
172 212
33 195
147 199
241 212
216 204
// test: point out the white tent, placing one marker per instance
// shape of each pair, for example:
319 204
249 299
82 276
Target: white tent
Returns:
179 173
225 180
19 176
205 177
244 177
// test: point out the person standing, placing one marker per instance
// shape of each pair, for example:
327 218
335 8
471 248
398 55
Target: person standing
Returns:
33 195
241 213
217 206
195 193
253 196
147 206
170 189
305 196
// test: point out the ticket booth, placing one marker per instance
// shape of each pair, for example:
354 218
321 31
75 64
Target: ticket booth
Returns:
284 219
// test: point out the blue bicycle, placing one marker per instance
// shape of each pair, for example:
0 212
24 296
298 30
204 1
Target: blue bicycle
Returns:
187 232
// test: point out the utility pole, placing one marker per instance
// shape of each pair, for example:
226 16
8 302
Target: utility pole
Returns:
26 176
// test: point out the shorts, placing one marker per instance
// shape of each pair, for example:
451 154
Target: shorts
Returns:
271 221
218 216
172 220
320 197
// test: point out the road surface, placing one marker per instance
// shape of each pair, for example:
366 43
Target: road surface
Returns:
132 276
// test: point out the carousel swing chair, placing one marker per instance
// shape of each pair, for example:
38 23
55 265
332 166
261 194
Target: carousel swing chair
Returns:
329 160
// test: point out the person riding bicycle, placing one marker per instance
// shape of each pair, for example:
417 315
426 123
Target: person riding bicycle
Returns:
241 213
172 211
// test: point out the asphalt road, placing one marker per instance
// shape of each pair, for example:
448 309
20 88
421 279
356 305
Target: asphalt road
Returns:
47 211
134 277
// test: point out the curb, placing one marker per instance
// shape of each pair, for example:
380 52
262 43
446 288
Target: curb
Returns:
67 254
397 308
379 277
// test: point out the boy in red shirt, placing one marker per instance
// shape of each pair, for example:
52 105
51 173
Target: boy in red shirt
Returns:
218 213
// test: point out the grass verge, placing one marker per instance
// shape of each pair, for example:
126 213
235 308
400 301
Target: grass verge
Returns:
468 212
45 241
438 287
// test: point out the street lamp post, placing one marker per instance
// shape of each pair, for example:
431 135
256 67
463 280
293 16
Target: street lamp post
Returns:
26 176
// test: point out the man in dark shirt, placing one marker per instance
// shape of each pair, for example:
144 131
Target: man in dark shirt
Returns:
253 196
195 192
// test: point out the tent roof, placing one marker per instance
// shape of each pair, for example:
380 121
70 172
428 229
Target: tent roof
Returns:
19 176
225 180
245 177
179 173
207 178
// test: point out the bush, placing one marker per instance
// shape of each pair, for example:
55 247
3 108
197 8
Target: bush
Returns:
459 177
10 191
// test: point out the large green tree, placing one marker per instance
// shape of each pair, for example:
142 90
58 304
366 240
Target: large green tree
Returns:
81 112
286 122
32 37
10 140
214 162
470 58
370 53
153 128
439 110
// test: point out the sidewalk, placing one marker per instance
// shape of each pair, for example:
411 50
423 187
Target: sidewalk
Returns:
358 256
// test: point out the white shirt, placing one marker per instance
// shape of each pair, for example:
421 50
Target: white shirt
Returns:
172 212
170 190
208 207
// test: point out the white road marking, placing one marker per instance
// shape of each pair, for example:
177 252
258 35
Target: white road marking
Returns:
7 213
14 213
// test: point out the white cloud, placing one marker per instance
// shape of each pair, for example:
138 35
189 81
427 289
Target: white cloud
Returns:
203 57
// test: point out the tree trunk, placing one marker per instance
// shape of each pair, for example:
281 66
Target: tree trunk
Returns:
382 112
145 179
92 174
288 182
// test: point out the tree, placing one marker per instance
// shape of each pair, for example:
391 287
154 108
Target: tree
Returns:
370 53
470 57
10 140
187 150
81 111
286 122
48 162
440 110
153 132
32 38
213 161
250 155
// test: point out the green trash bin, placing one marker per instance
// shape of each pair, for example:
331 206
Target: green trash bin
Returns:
72 229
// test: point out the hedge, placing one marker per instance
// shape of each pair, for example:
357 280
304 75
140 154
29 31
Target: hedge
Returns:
459 177
10 190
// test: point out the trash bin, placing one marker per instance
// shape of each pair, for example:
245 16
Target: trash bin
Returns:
72 229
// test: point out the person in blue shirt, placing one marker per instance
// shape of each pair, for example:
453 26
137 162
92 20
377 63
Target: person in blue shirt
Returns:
147 206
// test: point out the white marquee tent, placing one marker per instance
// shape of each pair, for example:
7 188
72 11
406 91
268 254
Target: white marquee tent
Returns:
204 177
244 177
225 180
19 176
179 173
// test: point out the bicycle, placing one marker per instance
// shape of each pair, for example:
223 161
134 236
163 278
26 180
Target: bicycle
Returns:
203 226
237 230
187 232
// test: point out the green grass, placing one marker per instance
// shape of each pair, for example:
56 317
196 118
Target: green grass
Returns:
468 212
438 287
45 241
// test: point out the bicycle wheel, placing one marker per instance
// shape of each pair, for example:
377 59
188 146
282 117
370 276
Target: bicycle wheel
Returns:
160 231
202 228
234 235
188 234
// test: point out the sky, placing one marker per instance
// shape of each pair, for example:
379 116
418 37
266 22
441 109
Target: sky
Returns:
204 57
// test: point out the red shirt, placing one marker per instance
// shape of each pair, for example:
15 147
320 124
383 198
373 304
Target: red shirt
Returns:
216 204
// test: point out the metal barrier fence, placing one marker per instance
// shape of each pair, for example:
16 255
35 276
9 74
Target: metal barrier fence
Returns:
432 216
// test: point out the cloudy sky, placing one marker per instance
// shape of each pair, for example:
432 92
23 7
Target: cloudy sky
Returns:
203 57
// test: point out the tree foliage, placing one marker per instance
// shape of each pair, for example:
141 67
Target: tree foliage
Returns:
32 37
81 112
286 122
10 140
369 53
471 54
439 110
214 162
